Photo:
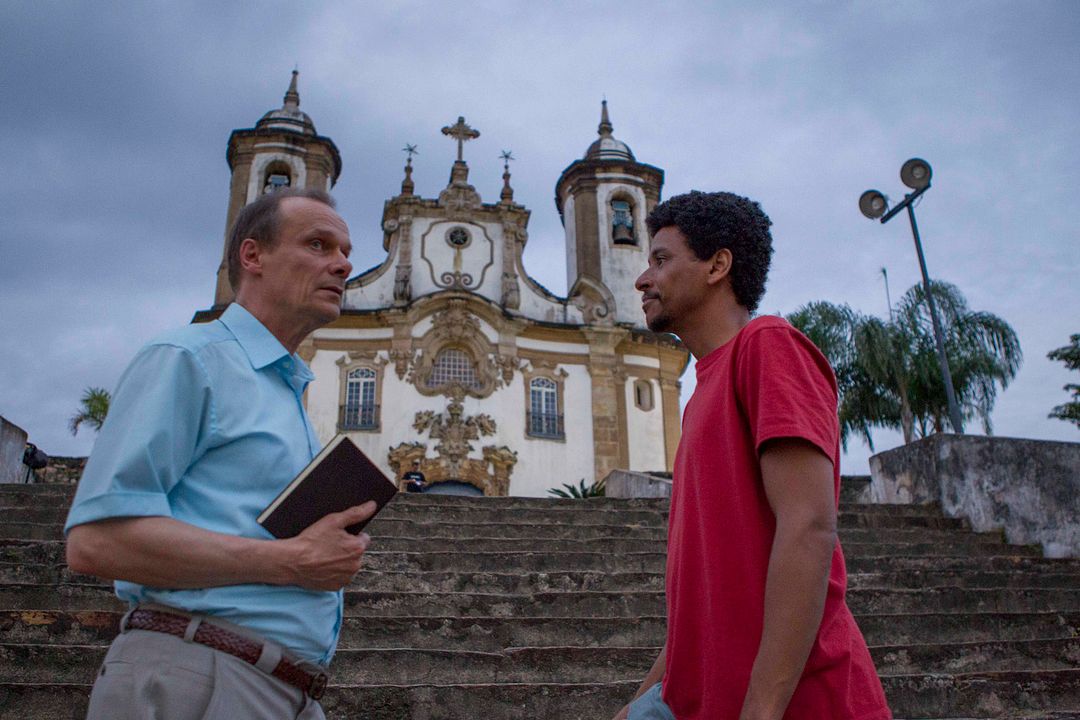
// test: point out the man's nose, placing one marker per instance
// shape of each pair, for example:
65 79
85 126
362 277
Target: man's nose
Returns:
342 267
642 281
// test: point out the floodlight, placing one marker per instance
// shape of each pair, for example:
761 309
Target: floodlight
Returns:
873 204
916 173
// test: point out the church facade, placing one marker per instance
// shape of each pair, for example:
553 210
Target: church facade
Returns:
449 354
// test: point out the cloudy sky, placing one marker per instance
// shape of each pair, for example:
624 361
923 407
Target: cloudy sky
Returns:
115 118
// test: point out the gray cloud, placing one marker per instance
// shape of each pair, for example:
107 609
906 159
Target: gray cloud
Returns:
116 117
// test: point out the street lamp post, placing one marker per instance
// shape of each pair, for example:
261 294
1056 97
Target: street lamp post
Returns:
916 175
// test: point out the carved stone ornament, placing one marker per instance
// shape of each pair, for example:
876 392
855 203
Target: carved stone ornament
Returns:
511 293
594 300
403 360
454 431
508 365
402 283
370 357
390 225
456 327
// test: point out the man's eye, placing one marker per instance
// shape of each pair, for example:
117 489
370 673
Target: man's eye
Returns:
317 244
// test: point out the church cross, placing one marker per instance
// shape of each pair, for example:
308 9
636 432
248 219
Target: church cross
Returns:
462 133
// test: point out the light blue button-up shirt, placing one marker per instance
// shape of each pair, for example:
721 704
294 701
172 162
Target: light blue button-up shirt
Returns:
207 426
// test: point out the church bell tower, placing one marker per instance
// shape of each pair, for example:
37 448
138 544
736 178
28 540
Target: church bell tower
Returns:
282 150
603 200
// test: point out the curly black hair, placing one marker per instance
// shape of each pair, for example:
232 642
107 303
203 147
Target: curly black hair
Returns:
718 220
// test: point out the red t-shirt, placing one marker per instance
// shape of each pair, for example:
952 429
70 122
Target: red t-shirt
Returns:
769 381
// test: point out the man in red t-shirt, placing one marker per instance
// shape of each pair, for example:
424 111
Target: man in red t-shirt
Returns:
758 628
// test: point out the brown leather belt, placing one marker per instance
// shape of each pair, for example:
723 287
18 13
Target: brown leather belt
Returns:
206 633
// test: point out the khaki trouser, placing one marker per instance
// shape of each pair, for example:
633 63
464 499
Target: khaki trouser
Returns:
150 675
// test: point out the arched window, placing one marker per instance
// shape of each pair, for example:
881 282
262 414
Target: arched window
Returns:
453 366
643 395
360 411
544 418
622 223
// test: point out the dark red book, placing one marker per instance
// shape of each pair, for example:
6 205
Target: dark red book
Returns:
339 477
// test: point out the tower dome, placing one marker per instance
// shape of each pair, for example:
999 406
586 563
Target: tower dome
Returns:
608 147
289 116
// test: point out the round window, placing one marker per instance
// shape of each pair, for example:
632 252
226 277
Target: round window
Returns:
458 237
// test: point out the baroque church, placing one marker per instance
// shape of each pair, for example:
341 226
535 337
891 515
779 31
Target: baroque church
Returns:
449 354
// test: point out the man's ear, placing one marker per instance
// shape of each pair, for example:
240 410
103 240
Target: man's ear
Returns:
719 266
251 256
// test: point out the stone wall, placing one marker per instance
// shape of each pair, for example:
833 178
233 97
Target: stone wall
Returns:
12 446
1028 488
61 470
632 484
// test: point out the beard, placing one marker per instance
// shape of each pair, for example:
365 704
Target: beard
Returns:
660 323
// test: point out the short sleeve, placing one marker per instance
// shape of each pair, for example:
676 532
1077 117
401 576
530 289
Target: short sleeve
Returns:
787 389
159 422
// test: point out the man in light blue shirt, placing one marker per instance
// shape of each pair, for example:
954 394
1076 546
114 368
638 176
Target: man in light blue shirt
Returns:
206 427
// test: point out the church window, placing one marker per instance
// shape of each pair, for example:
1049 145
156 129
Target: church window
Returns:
453 366
622 223
360 412
643 395
544 419
458 237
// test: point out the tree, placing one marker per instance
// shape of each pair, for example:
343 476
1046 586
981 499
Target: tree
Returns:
93 408
888 373
1070 355
579 491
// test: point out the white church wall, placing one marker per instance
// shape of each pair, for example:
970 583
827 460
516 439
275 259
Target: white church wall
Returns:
645 430
642 360
322 394
543 464
551 346
350 333
478 261
536 306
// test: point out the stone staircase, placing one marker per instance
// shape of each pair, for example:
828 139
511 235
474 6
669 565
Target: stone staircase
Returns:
531 608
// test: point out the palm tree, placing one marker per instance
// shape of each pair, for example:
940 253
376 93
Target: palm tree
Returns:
94 406
1070 355
888 373
579 491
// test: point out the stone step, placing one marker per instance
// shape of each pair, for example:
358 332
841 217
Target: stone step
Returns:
618 544
1052 695
970 579
565 580
999 563
491 634
984 695
394 520
401 666
65 596
974 657
52 553
494 634
15 495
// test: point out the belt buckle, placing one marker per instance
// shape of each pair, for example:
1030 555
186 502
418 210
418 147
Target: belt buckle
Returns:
318 685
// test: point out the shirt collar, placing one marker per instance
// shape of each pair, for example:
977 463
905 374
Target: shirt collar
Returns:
260 345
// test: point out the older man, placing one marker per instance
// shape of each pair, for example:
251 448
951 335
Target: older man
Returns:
758 628
206 426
